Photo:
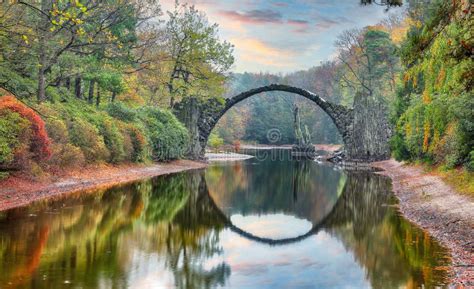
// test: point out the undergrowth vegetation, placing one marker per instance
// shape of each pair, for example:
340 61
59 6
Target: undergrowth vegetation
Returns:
73 135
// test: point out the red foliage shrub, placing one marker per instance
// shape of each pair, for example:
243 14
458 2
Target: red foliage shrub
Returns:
40 143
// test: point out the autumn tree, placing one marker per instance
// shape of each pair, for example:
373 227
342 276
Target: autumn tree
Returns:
368 56
197 58
434 111
50 30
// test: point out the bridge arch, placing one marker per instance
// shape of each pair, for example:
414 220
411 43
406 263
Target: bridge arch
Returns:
340 115
207 115
365 129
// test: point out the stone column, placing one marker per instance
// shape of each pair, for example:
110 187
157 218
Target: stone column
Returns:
188 112
371 130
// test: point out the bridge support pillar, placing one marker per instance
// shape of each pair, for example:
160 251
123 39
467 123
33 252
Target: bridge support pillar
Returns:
188 112
371 131
199 116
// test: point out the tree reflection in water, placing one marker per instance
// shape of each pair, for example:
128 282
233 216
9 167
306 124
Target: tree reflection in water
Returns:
167 231
92 244
192 237
393 252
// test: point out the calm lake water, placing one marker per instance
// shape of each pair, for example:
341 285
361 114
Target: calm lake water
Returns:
268 222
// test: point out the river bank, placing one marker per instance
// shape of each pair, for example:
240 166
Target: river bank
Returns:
437 208
18 191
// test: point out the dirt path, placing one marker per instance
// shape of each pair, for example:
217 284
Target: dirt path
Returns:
18 191
448 216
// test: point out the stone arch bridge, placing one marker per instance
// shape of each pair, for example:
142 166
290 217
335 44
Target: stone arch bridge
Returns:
364 128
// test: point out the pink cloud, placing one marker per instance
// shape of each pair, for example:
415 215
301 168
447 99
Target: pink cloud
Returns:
302 26
253 16
280 4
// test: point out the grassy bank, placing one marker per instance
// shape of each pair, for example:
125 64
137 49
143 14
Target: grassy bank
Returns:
50 137
460 179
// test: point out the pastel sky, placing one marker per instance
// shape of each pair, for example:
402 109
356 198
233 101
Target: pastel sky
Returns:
283 35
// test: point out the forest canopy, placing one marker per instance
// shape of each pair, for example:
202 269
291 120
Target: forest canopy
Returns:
100 79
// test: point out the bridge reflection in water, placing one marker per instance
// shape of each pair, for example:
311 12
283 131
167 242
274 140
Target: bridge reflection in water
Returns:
204 229
293 188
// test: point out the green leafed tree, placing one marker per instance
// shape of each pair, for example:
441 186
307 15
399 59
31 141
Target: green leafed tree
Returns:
41 33
434 106
369 60
197 59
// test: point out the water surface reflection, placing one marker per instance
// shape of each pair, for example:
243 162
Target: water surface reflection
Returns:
223 227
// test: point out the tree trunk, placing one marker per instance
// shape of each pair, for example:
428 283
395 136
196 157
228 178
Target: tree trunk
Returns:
171 102
97 102
151 100
41 83
42 52
68 83
91 92
78 88
170 89
114 94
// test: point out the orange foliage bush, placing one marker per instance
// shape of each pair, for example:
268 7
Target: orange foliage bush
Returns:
40 143
127 141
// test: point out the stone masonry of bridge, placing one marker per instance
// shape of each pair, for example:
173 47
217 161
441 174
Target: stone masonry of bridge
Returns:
364 129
